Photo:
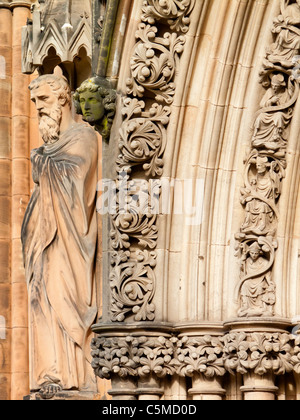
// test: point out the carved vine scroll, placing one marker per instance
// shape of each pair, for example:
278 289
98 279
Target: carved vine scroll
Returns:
265 166
146 112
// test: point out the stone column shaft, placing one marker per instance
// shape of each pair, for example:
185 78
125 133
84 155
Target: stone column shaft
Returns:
149 388
5 199
123 389
20 123
206 389
258 387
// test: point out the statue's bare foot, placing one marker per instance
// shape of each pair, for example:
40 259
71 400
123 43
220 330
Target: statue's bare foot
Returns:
48 391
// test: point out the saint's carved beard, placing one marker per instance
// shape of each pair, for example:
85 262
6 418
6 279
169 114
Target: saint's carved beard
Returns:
49 125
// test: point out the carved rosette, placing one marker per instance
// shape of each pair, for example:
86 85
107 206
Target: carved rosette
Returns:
142 141
265 167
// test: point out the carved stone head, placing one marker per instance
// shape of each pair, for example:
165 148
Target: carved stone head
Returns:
278 83
255 251
95 100
52 96
262 164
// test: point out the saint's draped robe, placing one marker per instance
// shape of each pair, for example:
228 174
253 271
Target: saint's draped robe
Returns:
59 237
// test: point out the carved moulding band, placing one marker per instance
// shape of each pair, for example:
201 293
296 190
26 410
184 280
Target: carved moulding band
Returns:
133 356
13 4
174 12
236 352
132 283
146 111
265 166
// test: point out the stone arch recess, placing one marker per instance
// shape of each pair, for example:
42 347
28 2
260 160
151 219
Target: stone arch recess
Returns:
209 135
212 138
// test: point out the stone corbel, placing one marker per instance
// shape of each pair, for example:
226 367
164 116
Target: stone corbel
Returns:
95 99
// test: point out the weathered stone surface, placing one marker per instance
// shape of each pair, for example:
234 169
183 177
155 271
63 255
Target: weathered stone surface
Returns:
207 101
64 396
59 237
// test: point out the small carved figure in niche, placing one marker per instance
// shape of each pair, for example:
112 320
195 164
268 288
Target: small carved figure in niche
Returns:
265 189
96 101
59 237
287 43
277 94
257 291
270 126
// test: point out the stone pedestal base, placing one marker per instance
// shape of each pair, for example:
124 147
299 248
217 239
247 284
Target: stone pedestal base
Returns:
64 395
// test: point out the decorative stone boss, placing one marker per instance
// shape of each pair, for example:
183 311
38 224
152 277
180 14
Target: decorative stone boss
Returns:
59 236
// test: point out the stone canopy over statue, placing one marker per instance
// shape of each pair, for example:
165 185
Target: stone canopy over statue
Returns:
59 237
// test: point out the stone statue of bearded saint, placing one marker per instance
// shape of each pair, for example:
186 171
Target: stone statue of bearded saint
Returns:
59 237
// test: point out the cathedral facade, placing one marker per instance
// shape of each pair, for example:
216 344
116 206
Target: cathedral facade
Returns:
195 107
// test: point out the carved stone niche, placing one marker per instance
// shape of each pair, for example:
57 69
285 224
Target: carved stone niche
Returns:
65 40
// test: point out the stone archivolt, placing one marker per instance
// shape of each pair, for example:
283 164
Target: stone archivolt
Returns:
142 142
265 167
143 359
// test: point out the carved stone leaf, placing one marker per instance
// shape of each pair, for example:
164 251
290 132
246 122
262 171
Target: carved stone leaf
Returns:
153 64
113 356
200 355
132 288
235 345
174 12
157 355
143 140
296 353
142 143
259 352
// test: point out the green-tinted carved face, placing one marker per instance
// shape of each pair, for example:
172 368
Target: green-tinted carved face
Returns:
91 106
